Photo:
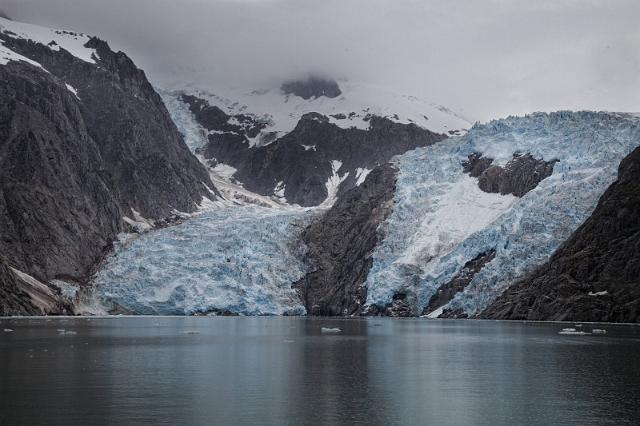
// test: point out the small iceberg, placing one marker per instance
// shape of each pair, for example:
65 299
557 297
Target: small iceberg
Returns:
572 332
329 330
8 330
599 331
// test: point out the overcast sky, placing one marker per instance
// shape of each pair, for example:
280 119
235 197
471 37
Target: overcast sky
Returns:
485 59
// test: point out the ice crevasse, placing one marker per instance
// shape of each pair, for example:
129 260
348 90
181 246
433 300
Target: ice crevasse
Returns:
237 259
441 218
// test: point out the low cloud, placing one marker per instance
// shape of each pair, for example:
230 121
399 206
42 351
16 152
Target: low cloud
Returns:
485 59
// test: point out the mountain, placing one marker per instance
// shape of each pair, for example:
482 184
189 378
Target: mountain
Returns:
595 274
441 231
313 138
338 246
463 230
87 151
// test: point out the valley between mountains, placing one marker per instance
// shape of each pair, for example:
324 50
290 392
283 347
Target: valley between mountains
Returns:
312 197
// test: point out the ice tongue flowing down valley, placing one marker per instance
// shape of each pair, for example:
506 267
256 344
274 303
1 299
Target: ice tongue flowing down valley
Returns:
236 259
442 219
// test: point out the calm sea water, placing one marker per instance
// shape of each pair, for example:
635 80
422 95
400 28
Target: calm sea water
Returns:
284 371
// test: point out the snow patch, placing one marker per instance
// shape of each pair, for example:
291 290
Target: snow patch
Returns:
361 175
279 189
7 55
224 170
333 183
72 90
139 223
352 109
436 313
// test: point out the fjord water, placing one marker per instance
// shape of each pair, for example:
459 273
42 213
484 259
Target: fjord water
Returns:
284 370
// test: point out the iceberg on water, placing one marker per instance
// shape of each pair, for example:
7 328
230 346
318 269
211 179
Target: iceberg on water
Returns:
572 332
441 218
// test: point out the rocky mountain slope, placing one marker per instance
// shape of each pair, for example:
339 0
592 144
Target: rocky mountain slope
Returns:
595 274
87 149
441 232
464 235
339 244
314 140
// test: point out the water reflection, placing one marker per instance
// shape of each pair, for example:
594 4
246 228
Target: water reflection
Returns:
285 371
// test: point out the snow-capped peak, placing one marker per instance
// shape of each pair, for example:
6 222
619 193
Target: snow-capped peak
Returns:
354 106
72 42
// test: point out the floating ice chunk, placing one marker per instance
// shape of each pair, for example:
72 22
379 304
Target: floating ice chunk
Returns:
572 332
329 330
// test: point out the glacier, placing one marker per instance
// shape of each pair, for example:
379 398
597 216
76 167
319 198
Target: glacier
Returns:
441 219
244 258
240 259
239 255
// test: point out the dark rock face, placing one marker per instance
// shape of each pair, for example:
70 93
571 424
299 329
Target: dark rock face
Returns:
13 301
520 175
302 159
402 305
459 282
72 167
340 243
595 274
454 314
312 87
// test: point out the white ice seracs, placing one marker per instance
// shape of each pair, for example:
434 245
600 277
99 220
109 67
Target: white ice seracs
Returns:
238 259
441 219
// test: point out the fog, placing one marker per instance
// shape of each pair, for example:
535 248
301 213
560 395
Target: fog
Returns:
485 59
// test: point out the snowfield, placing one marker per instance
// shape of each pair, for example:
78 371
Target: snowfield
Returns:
282 112
441 219
70 41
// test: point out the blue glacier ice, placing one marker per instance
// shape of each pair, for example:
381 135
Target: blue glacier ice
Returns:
241 259
442 220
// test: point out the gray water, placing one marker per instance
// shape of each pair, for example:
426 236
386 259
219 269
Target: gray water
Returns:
279 370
